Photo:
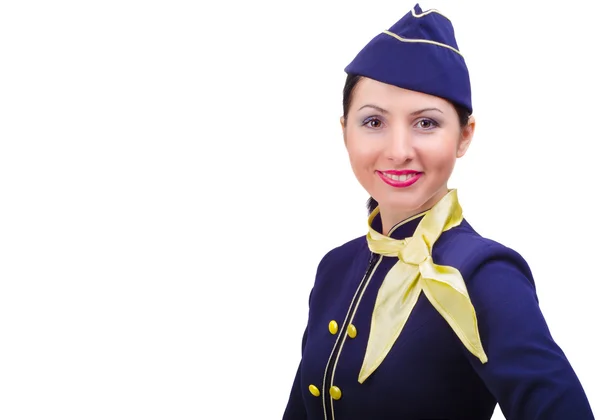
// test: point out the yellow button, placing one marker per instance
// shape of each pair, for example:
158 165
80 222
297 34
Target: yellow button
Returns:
314 390
333 327
351 331
335 392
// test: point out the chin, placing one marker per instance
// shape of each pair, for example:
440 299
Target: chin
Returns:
405 203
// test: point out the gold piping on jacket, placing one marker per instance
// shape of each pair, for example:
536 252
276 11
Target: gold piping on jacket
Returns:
368 280
325 392
349 322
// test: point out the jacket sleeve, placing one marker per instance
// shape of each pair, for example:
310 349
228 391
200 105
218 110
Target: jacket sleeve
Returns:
295 407
527 371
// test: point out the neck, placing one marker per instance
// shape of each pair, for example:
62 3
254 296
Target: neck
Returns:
390 216
390 221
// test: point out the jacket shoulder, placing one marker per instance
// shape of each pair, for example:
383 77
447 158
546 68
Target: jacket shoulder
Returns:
467 250
343 253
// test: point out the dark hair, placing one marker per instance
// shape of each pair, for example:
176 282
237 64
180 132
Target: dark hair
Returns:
351 82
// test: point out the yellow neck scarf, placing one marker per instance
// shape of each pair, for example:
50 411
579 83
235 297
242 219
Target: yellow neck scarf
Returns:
414 272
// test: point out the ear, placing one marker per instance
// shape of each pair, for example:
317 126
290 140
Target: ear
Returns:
466 135
343 128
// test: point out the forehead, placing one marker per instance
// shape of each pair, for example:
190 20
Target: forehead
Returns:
394 98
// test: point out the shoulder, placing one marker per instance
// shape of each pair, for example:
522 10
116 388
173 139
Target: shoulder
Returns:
491 270
343 253
468 251
527 371
336 263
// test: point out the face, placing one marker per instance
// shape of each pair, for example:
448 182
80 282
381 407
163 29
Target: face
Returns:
403 146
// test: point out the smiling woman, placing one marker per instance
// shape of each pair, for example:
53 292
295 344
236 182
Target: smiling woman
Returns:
423 318
402 137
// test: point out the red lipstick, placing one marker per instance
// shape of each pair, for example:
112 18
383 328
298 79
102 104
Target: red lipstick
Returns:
407 177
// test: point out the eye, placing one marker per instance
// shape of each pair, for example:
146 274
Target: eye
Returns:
427 124
373 122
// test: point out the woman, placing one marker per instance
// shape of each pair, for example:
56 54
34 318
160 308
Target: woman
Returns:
423 318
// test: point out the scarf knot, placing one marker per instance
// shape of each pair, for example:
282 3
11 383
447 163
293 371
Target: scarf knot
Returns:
416 272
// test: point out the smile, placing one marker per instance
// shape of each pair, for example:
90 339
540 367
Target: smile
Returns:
400 180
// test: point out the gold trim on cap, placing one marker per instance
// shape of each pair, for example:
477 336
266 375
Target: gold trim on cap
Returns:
426 13
424 41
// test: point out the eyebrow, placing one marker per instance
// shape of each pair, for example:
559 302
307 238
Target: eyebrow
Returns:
383 111
420 111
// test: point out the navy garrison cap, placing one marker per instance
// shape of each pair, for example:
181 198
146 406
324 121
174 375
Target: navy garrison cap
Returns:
420 53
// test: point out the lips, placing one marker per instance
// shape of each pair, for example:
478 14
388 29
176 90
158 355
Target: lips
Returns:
400 179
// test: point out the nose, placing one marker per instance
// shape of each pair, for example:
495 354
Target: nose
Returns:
399 147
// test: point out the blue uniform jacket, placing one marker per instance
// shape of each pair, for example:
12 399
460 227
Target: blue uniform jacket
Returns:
428 374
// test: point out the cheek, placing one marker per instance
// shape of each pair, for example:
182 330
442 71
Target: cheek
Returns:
361 152
438 156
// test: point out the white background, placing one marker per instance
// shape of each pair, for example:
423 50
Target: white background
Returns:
171 173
